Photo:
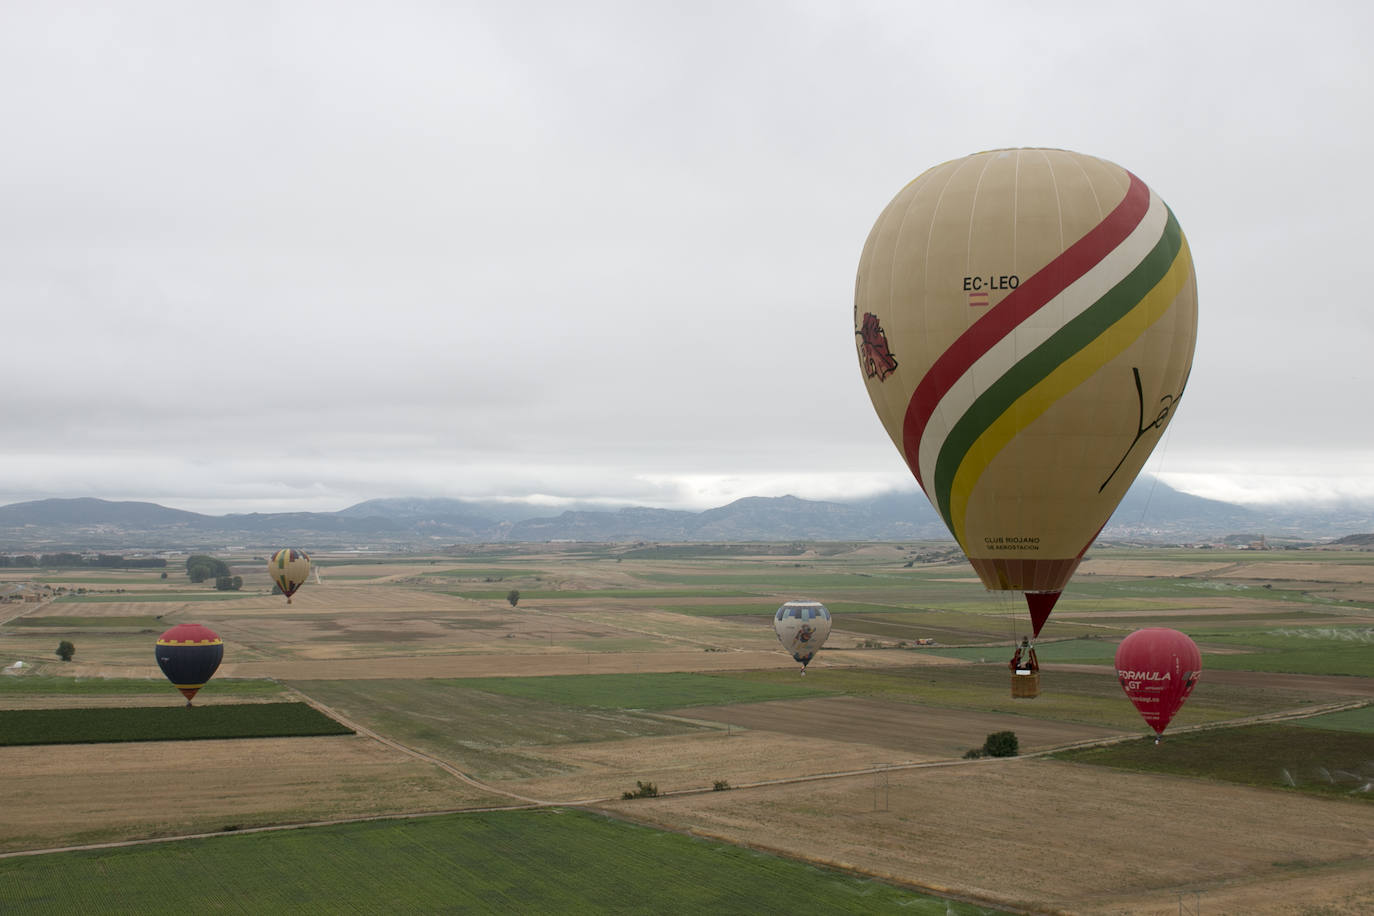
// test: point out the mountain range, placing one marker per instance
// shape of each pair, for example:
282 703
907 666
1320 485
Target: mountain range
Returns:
1152 512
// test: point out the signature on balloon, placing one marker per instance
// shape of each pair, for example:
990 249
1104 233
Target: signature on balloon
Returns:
1167 403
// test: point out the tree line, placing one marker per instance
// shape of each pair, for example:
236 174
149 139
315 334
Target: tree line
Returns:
201 567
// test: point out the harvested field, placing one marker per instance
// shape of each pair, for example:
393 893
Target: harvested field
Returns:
604 770
784 739
1057 837
923 732
1307 573
98 793
1115 565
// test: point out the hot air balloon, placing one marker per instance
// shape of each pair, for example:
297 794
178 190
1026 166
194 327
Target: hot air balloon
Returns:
188 654
289 568
1158 668
802 628
1025 321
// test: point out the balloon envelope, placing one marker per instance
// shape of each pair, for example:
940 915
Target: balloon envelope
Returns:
289 568
802 628
1025 322
1158 668
189 654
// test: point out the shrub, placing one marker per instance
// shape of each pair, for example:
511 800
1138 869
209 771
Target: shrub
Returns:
1001 744
644 790
720 785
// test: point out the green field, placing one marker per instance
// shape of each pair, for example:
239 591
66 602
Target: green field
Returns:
557 860
1295 650
38 685
1319 761
636 691
1350 720
99 725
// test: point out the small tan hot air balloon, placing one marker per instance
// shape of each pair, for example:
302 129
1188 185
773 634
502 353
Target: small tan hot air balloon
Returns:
289 568
1025 321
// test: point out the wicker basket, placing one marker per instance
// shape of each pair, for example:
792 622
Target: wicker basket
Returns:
1025 685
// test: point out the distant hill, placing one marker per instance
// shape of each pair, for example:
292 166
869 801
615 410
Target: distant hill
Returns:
1152 512
88 511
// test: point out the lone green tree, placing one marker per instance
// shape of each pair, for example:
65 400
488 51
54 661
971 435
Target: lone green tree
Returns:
513 596
65 650
1001 744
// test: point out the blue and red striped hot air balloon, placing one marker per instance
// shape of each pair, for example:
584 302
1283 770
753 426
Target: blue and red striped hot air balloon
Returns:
189 655
1025 321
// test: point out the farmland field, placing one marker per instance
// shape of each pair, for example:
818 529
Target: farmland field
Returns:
657 663
509 862
1336 759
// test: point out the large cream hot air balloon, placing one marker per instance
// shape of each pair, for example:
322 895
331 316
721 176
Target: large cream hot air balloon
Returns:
1025 321
289 568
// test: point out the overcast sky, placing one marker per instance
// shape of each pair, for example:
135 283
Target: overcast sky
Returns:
276 256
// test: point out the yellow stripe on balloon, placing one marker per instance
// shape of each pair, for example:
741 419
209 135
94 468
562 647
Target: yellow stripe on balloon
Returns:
1073 372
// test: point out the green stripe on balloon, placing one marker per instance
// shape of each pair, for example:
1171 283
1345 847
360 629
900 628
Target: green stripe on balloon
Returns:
1078 333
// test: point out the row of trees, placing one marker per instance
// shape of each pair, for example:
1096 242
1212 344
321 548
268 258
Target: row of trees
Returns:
79 561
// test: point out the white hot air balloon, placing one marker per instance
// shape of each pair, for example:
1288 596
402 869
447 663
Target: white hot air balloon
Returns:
802 628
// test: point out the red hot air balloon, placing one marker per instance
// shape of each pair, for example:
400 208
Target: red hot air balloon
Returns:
1158 668
189 654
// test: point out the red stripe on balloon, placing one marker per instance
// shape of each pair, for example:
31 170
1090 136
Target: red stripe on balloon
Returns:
1023 302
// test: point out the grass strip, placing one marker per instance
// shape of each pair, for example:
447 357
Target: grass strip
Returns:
163 723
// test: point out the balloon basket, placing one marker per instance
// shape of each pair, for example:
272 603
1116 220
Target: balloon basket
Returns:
1025 685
